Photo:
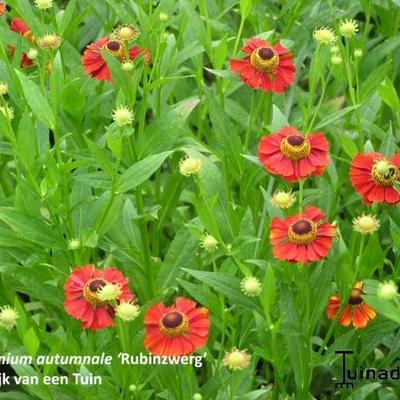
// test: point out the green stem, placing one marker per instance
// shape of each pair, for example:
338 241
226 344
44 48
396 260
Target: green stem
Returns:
360 252
251 117
239 35
301 184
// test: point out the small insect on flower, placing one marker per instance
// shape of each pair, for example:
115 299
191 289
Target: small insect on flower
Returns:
283 199
266 67
127 311
189 166
7 111
336 60
387 290
292 155
123 116
302 237
3 88
348 27
82 300
126 32
8 317
365 224
177 330
208 242
324 35
32 54
251 286
43 4
374 177
49 41
356 311
236 359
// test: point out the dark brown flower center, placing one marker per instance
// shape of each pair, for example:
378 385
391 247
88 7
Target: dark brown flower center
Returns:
295 140
302 227
295 147
355 297
266 53
353 301
112 45
91 289
265 60
96 284
302 232
172 319
174 324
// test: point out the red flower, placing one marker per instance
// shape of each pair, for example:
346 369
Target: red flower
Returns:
95 65
81 295
301 238
265 67
373 177
3 9
18 25
176 330
292 155
356 310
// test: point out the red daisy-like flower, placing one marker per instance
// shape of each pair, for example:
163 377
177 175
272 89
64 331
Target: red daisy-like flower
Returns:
18 25
178 330
301 237
293 155
265 67
373 177
95 65
356 310
3 9
81 295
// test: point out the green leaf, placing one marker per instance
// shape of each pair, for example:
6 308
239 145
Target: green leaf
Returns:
389 95
278 119
30 228
36 101
167 131
31 342
268 289
225 134
141 171
182 252
228 285
348 145
383 307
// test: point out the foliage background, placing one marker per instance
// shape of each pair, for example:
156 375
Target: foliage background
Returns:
68 172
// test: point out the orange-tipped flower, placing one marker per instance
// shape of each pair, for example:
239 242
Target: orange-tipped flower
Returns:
293 155
266 67
178 330
302 237
95 65
356 311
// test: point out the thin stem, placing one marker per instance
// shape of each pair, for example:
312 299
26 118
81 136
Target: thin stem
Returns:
360 252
